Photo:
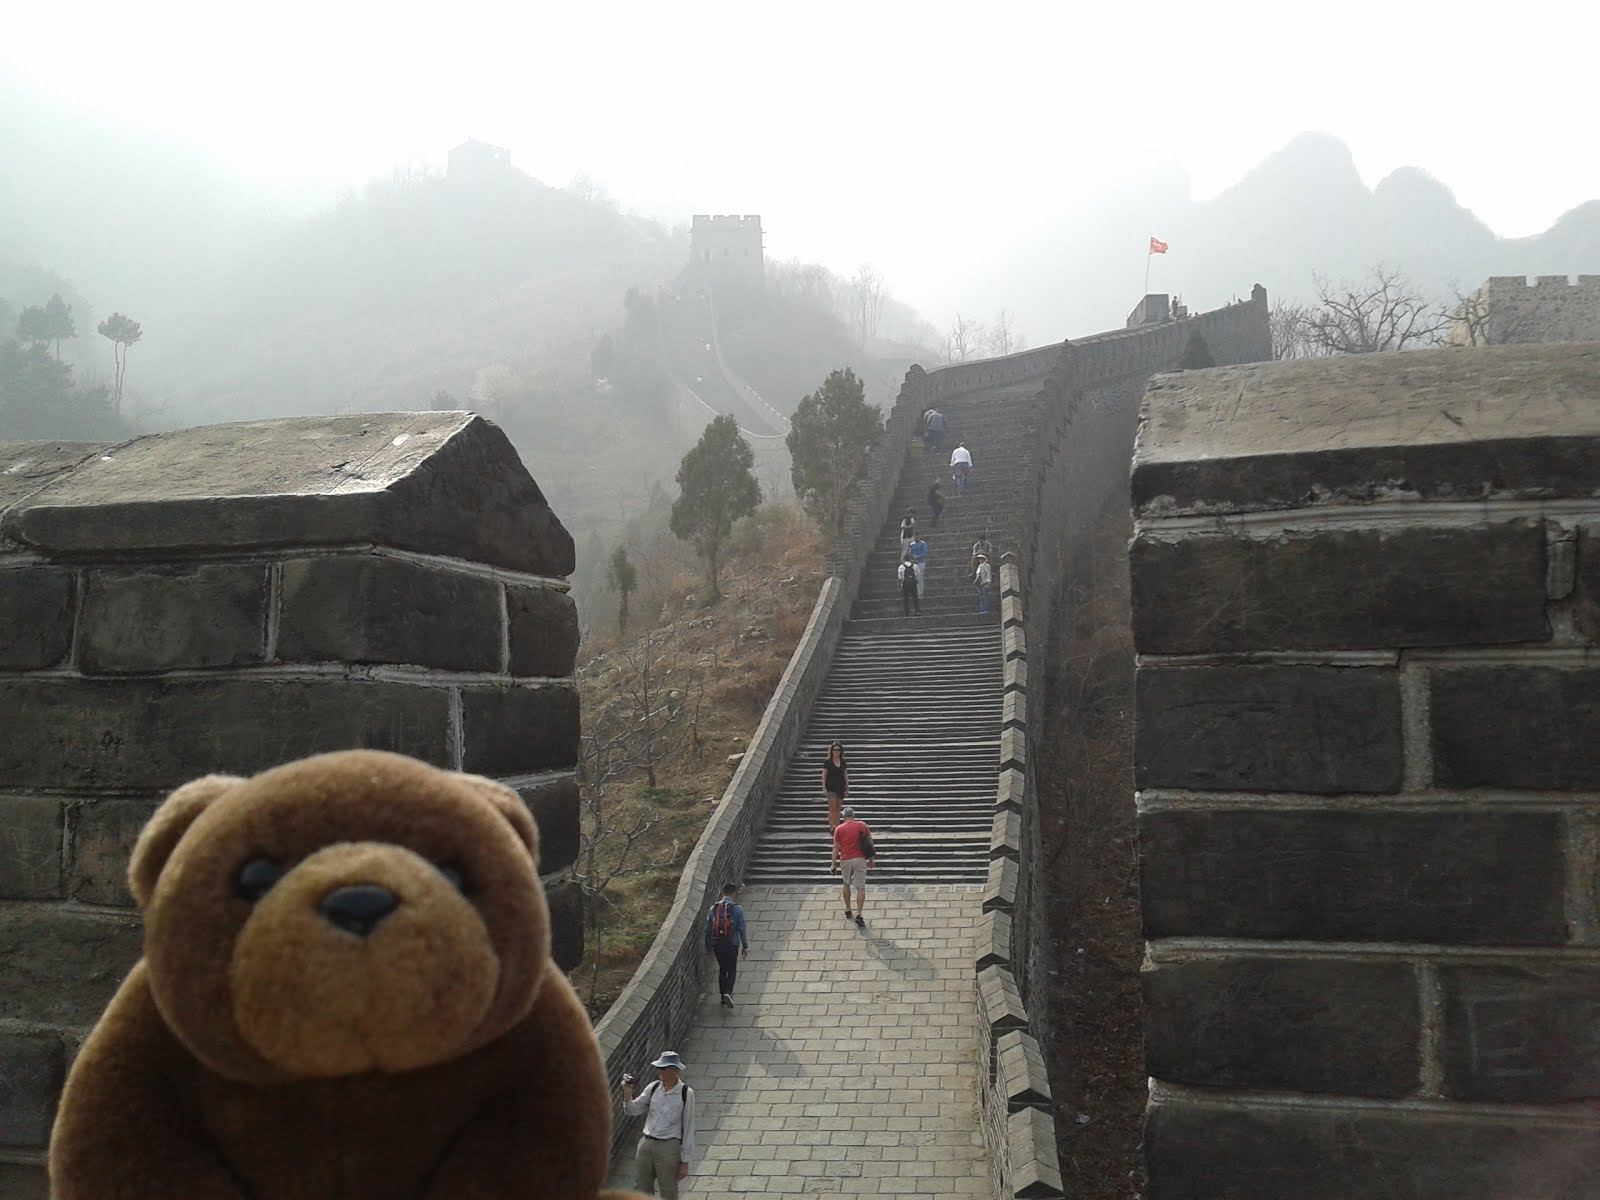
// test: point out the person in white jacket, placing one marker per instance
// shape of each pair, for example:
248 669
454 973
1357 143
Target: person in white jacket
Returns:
960 466
667 1147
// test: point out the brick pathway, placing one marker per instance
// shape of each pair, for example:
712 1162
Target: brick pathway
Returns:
847 1067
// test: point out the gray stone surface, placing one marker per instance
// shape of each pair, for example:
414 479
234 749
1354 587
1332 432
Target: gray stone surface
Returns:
101 835
160 619
27 467
1528 1034
1520 727
1439 424
23 1181
1457 877
1340 589
510 730
61 965
1588 582
543 629
1207 1153
436 482
555 808
36 607
1284 1024
370 608
35 1066
1269 728
151 734
30 847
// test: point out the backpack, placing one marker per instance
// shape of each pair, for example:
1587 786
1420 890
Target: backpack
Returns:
722 921
688 1098
868 850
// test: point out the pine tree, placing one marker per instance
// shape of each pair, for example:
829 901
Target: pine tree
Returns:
716 487
1196 354
831 439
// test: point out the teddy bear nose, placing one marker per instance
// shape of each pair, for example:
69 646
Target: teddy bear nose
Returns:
359 907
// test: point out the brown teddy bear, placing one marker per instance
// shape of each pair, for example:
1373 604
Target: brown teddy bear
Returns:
346 994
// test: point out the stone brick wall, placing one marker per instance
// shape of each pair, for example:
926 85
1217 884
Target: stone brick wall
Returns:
228 598
1367 608
1551 309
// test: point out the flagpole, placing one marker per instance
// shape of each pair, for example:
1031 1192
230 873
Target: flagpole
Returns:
1148 255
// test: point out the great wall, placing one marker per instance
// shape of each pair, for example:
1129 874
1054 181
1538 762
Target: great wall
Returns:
1367 610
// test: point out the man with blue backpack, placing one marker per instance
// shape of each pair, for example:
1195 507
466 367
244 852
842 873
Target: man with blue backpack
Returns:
725 937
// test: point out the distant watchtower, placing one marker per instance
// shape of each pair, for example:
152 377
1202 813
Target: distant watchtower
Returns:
478 160
727 251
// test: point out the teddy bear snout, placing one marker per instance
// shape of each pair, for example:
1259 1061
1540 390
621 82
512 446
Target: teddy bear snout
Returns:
358 908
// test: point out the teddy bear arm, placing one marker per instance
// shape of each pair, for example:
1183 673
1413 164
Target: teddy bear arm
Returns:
123 1132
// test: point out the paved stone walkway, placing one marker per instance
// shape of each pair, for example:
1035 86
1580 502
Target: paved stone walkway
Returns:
846 1068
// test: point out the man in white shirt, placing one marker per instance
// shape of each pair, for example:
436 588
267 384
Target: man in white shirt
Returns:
667 1146
981 579
960 464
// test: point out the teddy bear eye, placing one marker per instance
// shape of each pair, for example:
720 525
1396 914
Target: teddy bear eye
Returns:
256 878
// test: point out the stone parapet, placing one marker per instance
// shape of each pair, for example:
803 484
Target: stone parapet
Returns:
229 598
1368 818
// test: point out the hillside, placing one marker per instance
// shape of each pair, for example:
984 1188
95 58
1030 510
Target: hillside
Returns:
680 694
1304 208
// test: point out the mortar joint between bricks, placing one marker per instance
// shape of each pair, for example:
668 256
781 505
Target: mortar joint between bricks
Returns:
1430 1034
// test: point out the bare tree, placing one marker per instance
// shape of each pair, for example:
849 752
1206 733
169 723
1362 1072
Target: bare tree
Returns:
654 710
1289 325
867 295
1383 311
962 341
1473 319
1002 339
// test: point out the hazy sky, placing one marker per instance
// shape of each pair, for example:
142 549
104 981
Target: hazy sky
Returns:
919 135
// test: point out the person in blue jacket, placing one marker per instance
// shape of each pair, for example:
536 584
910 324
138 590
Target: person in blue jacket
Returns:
725 937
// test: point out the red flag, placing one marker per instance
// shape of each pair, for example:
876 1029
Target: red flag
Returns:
1157 247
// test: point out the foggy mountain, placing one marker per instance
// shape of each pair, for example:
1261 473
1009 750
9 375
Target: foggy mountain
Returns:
1303 209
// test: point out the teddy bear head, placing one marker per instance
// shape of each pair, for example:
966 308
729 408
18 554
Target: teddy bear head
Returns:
347 913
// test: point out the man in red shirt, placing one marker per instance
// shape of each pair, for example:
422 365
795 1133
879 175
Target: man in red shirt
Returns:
853 842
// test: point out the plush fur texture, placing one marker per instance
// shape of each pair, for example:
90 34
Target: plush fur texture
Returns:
260 1052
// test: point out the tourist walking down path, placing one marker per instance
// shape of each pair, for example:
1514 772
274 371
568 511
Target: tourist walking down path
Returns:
835 785
667 1147
908 529
910 604
960 465
726 939
918 554
935 502
853 841
981 579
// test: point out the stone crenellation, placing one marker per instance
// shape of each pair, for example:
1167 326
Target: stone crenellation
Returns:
1366 605
1509 310
728 251
228 598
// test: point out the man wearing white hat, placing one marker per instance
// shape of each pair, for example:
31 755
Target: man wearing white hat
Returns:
667 1146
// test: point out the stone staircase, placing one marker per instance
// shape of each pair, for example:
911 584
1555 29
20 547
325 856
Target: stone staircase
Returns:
916 702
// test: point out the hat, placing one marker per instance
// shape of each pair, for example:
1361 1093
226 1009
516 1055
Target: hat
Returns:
847 811
983 556
669 1058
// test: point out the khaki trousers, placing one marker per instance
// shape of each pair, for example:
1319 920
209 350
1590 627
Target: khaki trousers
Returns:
656 1165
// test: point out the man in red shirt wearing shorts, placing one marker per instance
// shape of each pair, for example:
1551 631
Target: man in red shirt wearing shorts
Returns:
852 840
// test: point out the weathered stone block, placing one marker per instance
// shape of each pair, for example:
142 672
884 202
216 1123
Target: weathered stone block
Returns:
24 1181
1472 878
374 609
1269 728
102 834
1014 709
509 730
35 616
1339 589
1005 834
1020 1072
1014 748
566 924
1000 892
1031 1143
1015 641
1012 790
30 847
1298 1025
1516 727
32 1067
1521 1034
158 619
62 965
1340 1154
1588 582
555 808
439 483
153 734
543 628
999 1002
994 940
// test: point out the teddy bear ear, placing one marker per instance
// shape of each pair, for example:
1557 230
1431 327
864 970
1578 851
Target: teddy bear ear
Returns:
164 830
510 806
